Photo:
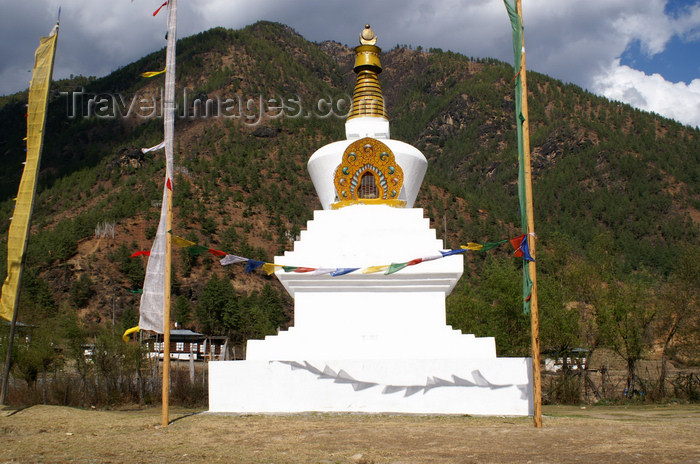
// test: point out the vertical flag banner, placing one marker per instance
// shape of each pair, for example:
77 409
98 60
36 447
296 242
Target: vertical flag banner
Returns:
518 48
153 299
36 118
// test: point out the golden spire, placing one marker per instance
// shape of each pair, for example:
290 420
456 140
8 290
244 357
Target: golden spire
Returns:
368 37
367 99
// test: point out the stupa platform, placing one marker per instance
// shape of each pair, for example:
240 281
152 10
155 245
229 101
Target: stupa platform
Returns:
371 342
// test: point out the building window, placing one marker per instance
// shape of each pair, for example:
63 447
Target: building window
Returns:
368 186
180 347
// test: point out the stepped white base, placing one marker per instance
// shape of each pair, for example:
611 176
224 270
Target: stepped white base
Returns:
371 342
432 344
437 386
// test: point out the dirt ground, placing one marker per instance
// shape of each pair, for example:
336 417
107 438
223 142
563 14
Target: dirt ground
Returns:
596 434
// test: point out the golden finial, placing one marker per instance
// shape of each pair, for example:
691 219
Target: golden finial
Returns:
368 37
367 99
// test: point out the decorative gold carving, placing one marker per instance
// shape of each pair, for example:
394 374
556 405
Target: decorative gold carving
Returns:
369 201
368 174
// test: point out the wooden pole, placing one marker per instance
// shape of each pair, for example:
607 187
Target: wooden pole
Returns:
166 318
534 312
15 311
169 130
11 339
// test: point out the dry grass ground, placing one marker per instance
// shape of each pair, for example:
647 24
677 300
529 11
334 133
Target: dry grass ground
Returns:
639 434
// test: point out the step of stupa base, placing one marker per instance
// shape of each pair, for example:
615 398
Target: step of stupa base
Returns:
433 386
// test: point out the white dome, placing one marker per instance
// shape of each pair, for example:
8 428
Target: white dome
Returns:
325 160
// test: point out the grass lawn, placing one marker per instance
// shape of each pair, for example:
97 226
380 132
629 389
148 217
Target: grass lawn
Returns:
615 434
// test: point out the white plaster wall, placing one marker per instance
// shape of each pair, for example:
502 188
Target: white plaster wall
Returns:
295 345
370 312
322 165
367 126
436 386
366 235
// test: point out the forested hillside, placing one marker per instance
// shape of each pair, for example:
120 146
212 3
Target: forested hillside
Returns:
616 194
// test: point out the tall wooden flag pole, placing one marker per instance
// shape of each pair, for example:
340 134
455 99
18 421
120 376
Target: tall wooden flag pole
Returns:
166 321
532 267
169 131
514 8
155 299
18 234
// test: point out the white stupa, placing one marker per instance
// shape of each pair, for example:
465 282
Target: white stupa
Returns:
370 342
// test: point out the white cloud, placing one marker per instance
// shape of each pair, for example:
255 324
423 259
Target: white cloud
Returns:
687 24
649 25
575 42
582 42
678 101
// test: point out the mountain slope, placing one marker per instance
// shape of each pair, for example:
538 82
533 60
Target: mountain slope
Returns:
607 177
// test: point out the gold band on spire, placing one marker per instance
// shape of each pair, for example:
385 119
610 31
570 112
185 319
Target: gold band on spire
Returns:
367 99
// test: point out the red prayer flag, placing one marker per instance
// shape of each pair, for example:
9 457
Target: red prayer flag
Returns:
159 8
413 262
216 252
141 253
517 243
304 269
169 185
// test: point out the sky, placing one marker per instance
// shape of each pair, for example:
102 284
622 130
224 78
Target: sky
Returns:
642 52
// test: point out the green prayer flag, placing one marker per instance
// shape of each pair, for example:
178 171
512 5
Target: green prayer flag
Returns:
491 245
516 23
395 267
195 250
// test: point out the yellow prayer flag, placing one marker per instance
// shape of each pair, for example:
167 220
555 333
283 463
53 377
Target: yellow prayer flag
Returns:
36 118
472 246
373 269
270 268
128 332
153 73
181 242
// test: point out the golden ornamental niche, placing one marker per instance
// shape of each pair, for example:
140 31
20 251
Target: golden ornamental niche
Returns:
368 174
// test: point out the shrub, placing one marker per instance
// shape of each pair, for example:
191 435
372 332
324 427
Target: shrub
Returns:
81 291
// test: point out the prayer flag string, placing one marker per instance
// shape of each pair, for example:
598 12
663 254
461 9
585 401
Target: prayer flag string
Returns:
520 244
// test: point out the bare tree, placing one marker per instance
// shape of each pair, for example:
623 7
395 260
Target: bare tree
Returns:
678 312
625 318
